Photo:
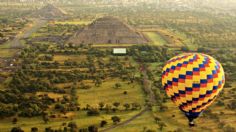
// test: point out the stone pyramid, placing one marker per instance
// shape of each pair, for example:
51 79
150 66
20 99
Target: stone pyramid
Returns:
50 12
108 30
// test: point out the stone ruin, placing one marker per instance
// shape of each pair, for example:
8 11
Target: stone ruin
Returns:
108 30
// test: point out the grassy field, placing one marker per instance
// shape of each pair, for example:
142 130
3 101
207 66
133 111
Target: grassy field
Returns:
5 45
168 37
62 58
155 38
111 45
74 22
5 53
108 94
80 118
105 93
144 122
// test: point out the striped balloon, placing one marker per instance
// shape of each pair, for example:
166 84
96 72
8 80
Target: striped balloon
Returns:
193 81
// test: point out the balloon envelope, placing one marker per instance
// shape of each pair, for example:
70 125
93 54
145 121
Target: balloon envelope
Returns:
193 81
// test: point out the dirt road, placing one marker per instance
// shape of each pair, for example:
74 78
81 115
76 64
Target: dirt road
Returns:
26 32
126 122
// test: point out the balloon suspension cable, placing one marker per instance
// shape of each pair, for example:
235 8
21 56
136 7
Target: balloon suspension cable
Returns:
191 122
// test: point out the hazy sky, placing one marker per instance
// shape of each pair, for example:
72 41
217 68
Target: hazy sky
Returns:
204 3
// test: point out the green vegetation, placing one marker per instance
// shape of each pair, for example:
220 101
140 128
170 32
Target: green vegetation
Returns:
8 52
74 22
155 38
52 84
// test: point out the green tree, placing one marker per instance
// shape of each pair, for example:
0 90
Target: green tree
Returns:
73 92
16 129
185 48
92 128
117 85
93 112
34 129
116 104
103 123
1 35
98 82
115 119
73 126
127 106
162 125
14 120
45 118
101 105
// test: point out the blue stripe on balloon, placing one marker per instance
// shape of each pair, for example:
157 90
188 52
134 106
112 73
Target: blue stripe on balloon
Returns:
215 87
209 76
179 64
214 72
189 89
202 65
185 62
202 96
182 92
195 85
175 79
196 69
209 92
203 81
182 76
173 67
189 73
169 82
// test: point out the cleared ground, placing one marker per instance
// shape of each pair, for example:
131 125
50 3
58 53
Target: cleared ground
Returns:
155 38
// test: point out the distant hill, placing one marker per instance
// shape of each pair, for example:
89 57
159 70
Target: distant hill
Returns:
50 12
108 30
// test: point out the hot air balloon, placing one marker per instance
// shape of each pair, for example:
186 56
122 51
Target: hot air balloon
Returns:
193 81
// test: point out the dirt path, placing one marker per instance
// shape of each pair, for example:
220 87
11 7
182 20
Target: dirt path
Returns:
38 24
127 121
147 85
27 32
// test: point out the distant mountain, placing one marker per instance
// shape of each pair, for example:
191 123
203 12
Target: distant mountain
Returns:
108 30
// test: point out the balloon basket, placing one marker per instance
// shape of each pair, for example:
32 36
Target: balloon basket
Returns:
191 124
